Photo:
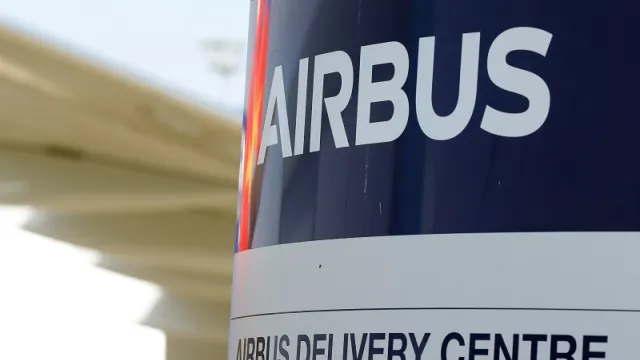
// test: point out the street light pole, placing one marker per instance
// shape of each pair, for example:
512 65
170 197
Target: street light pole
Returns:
227 56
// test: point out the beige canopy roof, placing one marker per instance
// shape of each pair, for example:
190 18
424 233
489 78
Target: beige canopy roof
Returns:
116 166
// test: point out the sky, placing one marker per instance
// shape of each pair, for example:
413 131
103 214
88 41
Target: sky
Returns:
158 41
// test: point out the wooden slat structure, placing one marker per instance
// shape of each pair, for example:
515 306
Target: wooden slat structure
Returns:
112 165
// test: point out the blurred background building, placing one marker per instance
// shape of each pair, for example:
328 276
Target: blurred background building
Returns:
119 153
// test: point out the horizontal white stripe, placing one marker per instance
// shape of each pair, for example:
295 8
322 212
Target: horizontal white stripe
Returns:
540 270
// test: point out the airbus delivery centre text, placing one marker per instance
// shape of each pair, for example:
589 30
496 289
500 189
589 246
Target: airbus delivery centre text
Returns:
423 346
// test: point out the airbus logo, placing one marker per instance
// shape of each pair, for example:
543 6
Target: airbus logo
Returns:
434 126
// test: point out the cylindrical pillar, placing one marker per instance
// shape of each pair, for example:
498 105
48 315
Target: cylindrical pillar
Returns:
444 179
